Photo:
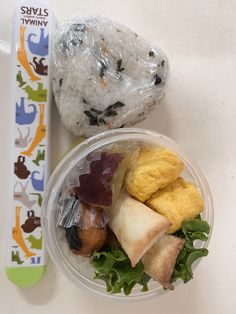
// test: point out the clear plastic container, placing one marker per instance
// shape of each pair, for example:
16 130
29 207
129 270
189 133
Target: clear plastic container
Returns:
77 268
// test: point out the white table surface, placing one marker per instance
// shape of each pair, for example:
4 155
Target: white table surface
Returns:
199 112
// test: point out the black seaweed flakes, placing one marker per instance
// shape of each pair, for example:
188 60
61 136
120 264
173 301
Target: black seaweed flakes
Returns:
111 112
118 66
73 42
61 82
93 119
162 63
73 238
78 27
73 33
102 121
157 79
96 111
93 115
151 54
96 117
118 104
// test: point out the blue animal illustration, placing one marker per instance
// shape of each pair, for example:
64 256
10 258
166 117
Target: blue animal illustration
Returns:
23 117
35 260
38 48
38 184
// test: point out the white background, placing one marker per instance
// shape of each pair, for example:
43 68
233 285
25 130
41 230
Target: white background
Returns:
199 112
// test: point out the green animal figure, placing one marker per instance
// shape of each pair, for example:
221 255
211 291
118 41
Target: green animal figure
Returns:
35 243
40 199
20 79
15 257
39 95
40 156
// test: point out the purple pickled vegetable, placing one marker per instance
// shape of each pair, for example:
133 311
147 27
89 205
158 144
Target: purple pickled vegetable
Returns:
94 187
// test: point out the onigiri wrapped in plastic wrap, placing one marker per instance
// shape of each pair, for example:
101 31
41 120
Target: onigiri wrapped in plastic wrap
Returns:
105 75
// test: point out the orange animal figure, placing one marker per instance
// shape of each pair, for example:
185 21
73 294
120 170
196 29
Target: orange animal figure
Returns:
18 236
22 56
40 133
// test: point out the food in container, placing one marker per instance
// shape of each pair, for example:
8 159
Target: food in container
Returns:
128 262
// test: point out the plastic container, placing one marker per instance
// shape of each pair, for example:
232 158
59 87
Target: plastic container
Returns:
77 269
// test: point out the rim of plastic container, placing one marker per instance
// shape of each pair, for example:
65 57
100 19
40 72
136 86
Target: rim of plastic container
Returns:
71 159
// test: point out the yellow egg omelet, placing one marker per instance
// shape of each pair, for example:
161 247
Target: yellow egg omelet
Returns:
178 201
155 168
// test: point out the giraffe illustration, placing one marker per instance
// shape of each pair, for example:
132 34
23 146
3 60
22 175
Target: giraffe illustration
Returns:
40 133
22 56
17 235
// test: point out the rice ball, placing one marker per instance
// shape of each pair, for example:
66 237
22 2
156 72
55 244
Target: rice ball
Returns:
104 75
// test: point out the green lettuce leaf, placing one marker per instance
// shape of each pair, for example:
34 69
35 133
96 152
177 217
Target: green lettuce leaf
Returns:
194 229
113 266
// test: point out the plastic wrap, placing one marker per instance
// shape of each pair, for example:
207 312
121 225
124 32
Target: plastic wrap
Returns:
105 75
84 224
71 212
96 180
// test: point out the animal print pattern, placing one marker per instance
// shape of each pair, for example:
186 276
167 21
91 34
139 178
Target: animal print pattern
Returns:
31 107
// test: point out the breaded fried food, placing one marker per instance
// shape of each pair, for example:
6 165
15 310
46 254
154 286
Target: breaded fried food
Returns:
136 226
178 201
160 259
154 169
